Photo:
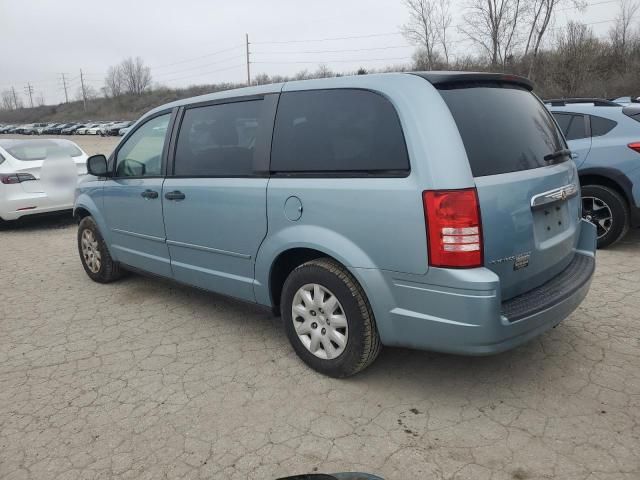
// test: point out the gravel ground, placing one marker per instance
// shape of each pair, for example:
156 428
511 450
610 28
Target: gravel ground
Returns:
146 379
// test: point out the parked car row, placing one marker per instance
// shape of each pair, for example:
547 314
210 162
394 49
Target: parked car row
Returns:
104 129
487 186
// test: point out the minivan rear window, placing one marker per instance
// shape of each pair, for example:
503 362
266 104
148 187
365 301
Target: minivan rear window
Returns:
504 127
341 131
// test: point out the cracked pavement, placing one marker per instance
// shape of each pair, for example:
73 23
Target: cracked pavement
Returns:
146 379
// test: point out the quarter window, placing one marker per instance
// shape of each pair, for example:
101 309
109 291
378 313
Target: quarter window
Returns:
601 126
337 131
141 154
218 140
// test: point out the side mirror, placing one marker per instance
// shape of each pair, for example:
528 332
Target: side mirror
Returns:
97 165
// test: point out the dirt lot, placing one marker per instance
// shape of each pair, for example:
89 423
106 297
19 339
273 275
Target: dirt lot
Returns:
145 379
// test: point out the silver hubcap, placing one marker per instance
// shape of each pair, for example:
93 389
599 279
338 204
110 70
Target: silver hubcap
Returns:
320 321
90 251
597 212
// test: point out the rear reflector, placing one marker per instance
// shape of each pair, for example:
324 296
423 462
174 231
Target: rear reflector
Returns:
454 230
635 146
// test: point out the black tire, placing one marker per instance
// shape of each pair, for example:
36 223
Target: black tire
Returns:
363 342
619 224
109 271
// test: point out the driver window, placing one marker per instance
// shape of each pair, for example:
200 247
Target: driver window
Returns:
141 155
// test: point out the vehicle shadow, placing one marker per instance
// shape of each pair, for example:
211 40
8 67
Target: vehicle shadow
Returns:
629 243
39 222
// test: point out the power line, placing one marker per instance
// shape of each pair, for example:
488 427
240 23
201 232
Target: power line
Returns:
155 67
329 39
334 51
228 59
202 73
339 60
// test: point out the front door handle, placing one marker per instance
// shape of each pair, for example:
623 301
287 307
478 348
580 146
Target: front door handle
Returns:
149 194
175 195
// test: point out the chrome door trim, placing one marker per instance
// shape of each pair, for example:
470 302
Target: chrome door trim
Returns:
208 249
138 235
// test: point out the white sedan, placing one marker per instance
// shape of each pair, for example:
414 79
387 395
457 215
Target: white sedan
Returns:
86 128
33 173
95 130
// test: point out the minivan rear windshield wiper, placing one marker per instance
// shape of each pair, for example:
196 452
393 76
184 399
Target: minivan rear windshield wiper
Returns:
555 155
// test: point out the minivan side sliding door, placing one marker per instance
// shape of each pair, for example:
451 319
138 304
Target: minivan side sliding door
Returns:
132 202
214 198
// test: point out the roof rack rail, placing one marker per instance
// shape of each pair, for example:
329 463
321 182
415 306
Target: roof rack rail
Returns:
598 102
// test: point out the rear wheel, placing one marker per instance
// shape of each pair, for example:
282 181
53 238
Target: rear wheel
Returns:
608 211
328 319
95 257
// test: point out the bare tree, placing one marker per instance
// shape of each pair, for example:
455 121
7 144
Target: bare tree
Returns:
89 91
622 31
578 52
493 25
421 29
539 15
262 79
7 100
136 77
114 81
443 24
40 100
323 71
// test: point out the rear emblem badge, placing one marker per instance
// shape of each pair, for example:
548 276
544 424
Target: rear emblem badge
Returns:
520 261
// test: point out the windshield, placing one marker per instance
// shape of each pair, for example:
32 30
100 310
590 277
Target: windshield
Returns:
31 151
505 128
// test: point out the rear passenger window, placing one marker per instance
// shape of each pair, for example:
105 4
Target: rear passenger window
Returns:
218 140
573 126
601 126
348 131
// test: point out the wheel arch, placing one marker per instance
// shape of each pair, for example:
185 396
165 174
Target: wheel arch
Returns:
611 178
86 207
284 264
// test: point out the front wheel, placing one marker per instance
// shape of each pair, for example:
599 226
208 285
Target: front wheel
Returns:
608 211
94 255
328 319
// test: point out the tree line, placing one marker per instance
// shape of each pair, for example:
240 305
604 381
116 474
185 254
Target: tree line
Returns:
519 36
515 36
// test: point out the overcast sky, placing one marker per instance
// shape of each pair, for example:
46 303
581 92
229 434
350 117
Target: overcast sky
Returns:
202 41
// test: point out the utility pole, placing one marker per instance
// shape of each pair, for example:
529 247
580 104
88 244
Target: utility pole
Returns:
64 85
29 90
248 62
84 92
15 98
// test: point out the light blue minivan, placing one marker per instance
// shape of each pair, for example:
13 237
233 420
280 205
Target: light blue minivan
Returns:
435 211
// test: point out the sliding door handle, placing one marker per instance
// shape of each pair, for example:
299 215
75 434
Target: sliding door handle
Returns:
175 195
149 194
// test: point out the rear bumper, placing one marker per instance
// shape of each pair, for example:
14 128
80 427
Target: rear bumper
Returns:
16 204
460 311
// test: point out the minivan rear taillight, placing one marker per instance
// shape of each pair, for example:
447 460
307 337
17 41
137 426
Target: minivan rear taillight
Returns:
454 228
635 146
